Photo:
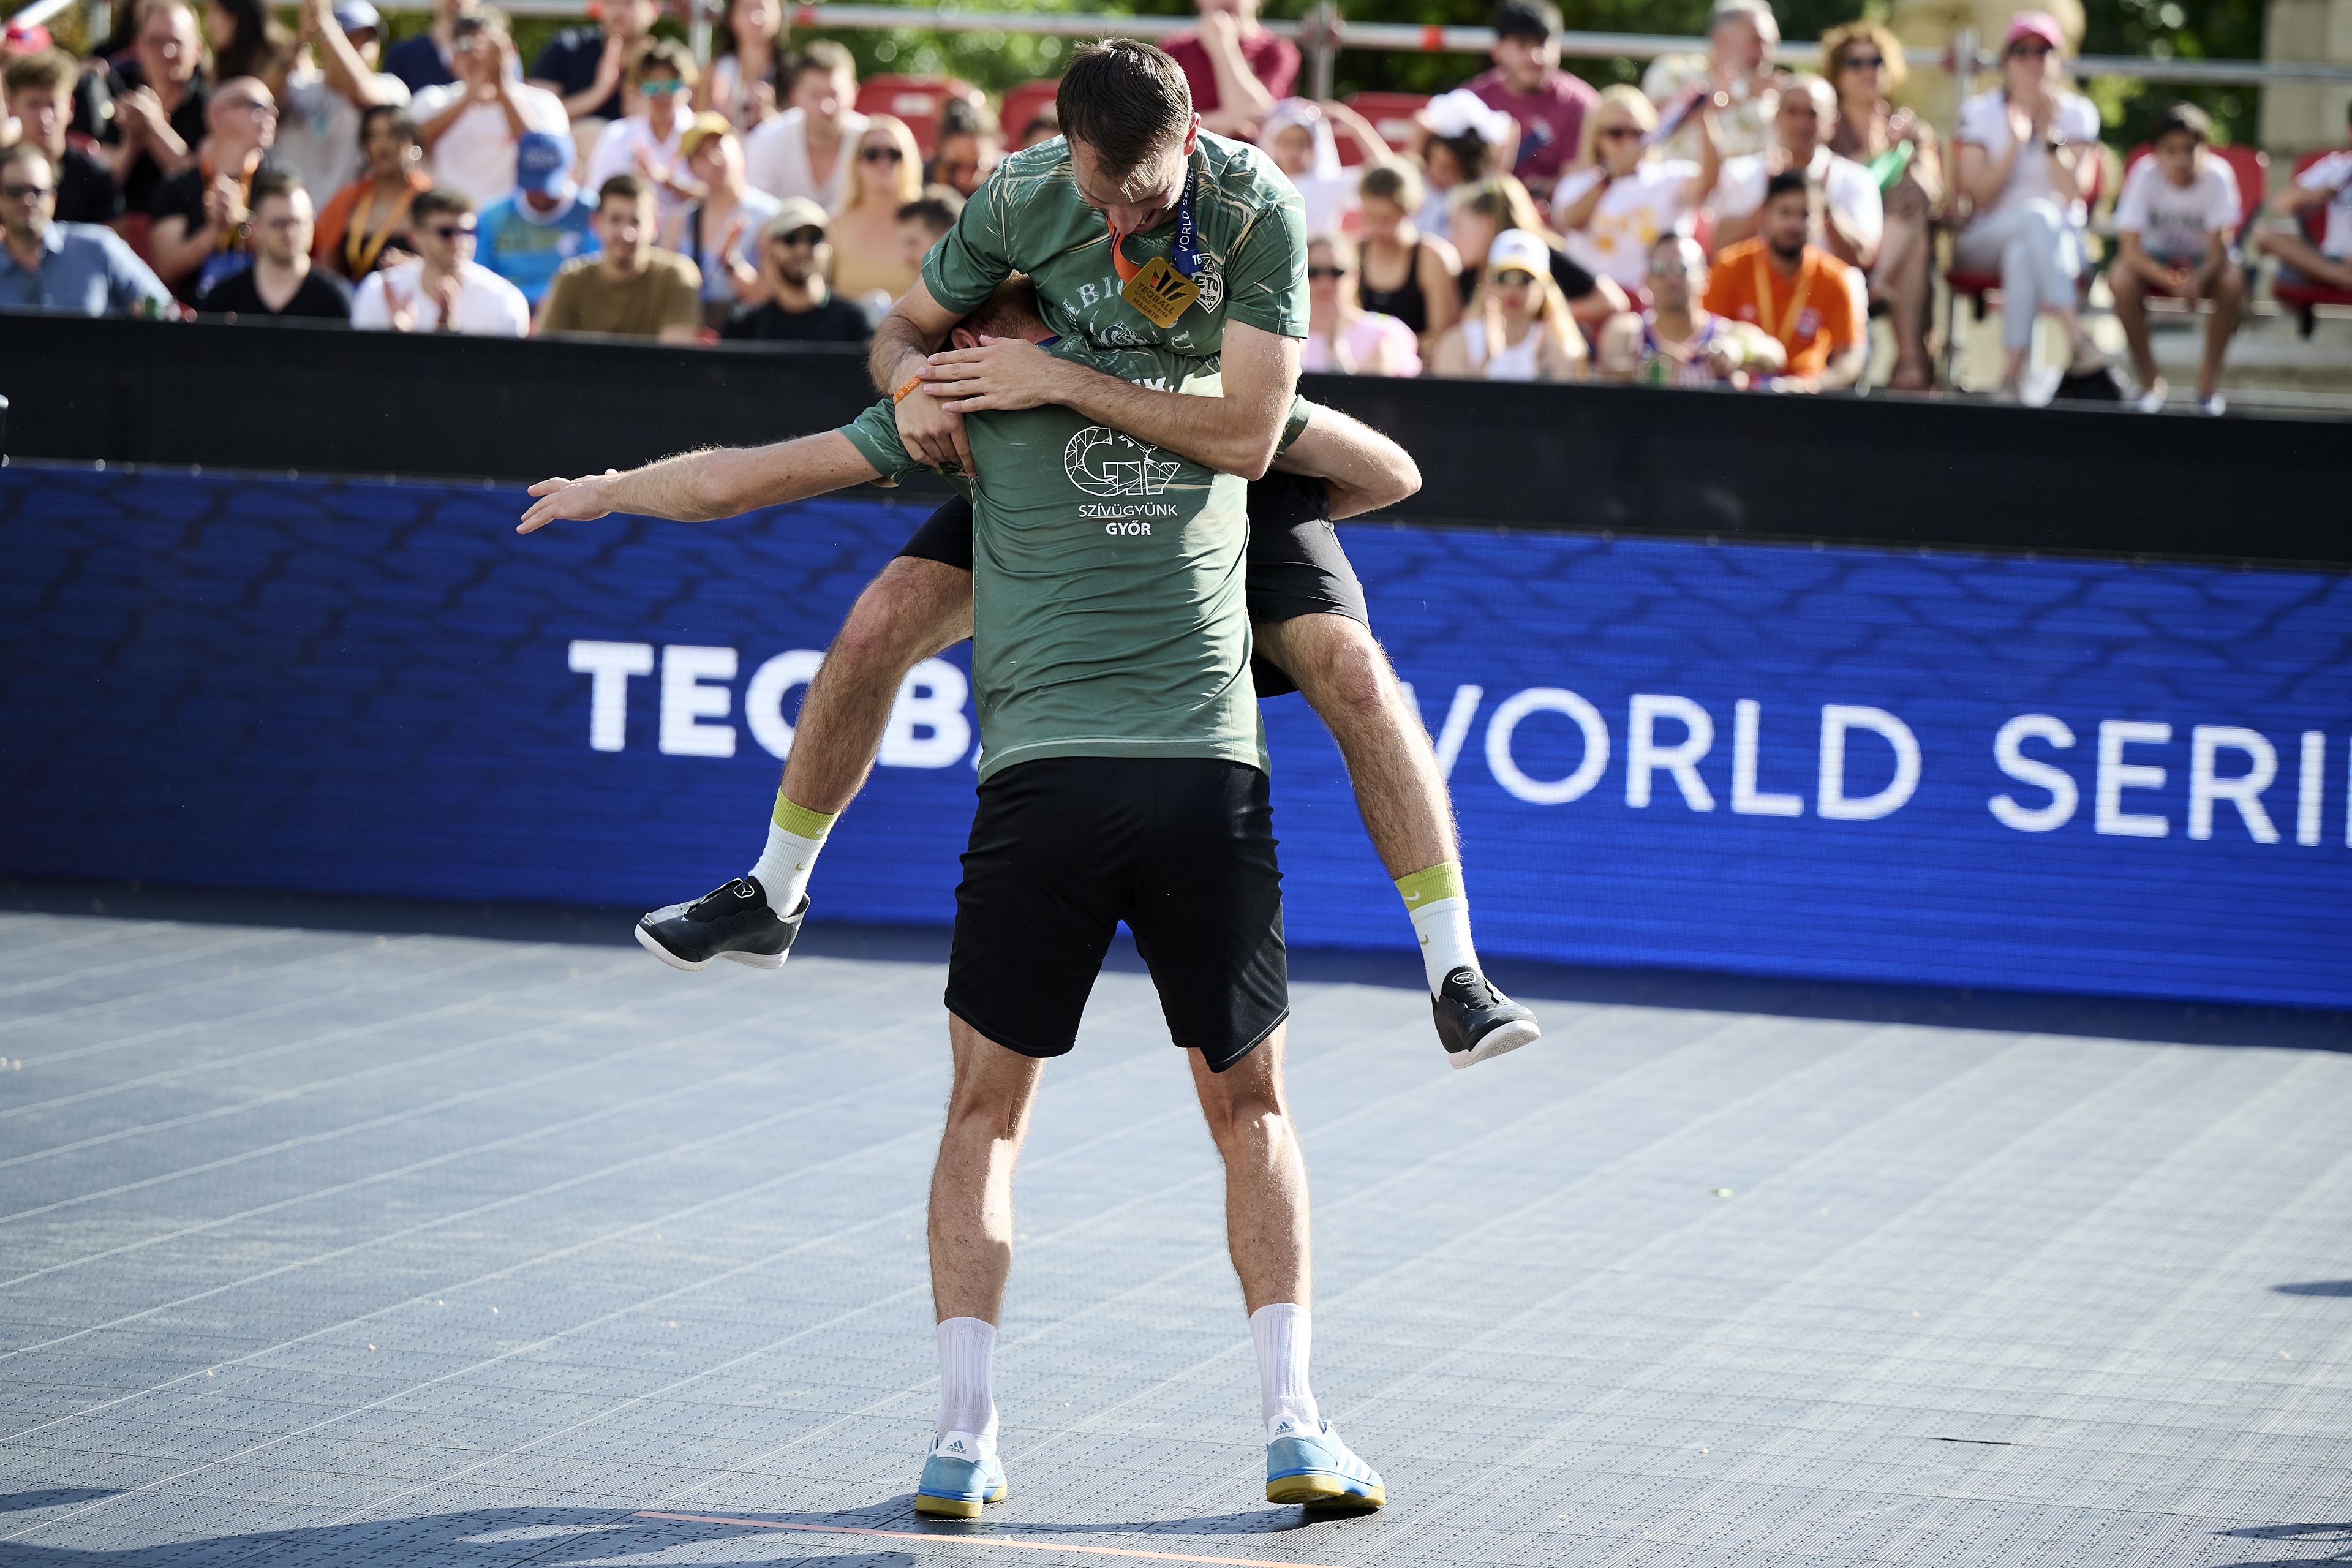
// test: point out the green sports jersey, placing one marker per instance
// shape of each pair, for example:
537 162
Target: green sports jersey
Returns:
1110 613
1029 217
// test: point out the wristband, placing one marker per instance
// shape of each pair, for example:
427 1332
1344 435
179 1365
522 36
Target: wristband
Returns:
913 382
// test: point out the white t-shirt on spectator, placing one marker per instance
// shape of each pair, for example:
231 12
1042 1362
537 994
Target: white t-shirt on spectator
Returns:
776 159
477 153
617 153
2333 172
1984 120
1846 185
487 305
1631 214
2172 220
318 132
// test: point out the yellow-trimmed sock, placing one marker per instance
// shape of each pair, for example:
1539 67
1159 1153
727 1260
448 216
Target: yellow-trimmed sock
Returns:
1439 907
795 834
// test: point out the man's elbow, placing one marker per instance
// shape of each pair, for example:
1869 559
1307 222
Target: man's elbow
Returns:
1403 477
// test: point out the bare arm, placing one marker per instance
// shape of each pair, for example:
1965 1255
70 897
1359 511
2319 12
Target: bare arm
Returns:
1234 433
932 433
696 487
1710 157
1437 267
1363 468
1367 136
346 72
430 131
1845 367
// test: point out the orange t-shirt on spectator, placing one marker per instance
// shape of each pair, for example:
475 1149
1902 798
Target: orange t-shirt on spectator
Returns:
1815 314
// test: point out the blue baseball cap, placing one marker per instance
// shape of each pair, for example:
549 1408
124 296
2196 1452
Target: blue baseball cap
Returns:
543 162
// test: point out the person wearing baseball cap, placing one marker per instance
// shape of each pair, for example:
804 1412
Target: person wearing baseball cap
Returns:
333 82
1517 326
800 307
722 229
2027 159
528 237
21 37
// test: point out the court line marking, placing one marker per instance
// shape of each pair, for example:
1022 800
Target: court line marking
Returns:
98 971
77 939
991 1541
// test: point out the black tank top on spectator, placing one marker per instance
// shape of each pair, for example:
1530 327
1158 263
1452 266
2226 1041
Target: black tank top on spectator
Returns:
1407 304
1574 281
139 181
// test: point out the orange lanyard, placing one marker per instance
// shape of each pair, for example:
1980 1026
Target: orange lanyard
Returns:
1807 270
361 250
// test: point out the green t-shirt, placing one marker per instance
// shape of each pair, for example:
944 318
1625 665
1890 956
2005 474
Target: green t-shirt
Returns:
1109 595
1249 230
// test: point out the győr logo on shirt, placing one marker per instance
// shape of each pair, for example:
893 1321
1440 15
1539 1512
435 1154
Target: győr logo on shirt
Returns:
1104 462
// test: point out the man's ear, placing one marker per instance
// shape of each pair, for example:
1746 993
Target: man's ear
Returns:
963 338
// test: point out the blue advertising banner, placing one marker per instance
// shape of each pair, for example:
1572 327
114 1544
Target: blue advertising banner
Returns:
2053 774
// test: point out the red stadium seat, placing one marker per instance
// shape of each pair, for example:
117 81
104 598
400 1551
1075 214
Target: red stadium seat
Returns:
2304 298
916 99
1022 104
1390 114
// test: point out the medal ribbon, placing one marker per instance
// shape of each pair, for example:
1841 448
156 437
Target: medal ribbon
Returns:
1183 255
1807 270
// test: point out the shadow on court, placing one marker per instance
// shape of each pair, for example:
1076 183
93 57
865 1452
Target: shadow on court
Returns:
551 1537
2316 1288
2338 1537
2007 1012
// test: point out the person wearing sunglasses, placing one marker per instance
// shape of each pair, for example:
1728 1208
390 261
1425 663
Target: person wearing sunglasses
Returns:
472 128
199 235
647 141
1678 341
2028 157
445 290
1518 327
800 306
1624 195
66 268
869 260
1866 64
1342 337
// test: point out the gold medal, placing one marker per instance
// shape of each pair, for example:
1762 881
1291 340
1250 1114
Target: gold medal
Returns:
1160 292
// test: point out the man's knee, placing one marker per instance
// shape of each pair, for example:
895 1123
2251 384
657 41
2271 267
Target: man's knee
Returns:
2129 290
1340 668
911 610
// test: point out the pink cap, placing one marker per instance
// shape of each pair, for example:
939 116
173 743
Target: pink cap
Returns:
25 37
2039 25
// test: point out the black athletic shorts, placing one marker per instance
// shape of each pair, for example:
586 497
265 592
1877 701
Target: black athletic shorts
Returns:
1295 565
1064 848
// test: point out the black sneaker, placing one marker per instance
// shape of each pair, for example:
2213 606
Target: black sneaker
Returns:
734 921
1475 1021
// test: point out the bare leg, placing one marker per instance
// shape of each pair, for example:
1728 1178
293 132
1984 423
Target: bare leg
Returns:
1904 274
911 611
2298 253
2228 292
2131 311
1265 1175
1346 679
971 1186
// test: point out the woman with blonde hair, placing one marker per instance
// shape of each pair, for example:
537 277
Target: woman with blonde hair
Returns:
1864 63
1500 201
1623 196
1403 272
1518 327
868 257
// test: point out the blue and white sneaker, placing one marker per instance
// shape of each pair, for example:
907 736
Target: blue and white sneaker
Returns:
1312 1467
958 1476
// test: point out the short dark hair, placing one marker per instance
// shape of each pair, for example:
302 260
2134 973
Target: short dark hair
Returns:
397 114
621 188
822 55
1125 100
1788 180
1047 118
52 68
440 199
1537 20
663 54
2185 117
961 117
271 182
935 209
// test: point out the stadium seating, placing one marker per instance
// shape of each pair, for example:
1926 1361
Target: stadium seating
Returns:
1021 106
2304 298
1390 114
916 99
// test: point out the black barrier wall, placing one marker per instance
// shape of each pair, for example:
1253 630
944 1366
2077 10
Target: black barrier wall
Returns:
1590 458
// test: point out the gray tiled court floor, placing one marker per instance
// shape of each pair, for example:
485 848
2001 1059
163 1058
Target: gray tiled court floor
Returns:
325 1245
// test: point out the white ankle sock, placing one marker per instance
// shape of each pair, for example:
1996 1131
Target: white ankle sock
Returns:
1444 928
1282 1334
794 835
967 1401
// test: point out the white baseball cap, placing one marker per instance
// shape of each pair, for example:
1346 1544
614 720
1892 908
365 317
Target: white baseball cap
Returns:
1516 249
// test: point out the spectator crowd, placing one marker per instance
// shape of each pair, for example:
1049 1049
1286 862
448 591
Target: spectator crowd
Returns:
1727 223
